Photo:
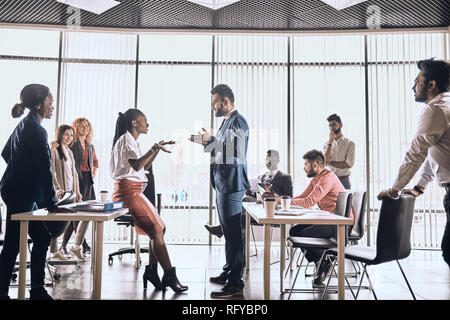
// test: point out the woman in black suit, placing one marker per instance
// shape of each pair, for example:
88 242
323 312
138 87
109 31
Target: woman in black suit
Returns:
26 182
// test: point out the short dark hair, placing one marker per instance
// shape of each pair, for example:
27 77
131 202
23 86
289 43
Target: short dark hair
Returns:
223 91
314 155
273 153
436 70
334 117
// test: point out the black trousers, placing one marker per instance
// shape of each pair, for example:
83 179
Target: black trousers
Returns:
313 231
445 244
41 237
345 182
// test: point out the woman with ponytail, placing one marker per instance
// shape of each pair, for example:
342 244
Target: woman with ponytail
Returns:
26 182
127 168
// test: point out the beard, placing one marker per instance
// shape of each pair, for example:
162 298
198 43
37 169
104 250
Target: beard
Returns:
221 111
421 96
311 173
337 131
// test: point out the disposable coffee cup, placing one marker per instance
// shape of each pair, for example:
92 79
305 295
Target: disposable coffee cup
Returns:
103 196
285 203
270 204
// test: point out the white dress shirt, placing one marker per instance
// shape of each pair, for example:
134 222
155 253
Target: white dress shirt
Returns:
268 176
342 149
68 174
431 142
126 148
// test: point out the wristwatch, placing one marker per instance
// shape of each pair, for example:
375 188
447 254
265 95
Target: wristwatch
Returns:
155 147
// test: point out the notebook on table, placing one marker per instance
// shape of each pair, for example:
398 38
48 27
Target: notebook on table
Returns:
99 206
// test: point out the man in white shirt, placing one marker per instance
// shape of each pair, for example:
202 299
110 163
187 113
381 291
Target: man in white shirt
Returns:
339 151
431 143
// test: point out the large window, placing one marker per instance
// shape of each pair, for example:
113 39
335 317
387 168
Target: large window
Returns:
285 96
328 78
393 122
26 56
174 93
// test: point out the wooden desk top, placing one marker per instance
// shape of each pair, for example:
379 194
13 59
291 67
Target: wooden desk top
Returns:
310 216
44 215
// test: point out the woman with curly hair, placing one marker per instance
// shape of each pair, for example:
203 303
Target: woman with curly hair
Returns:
86 164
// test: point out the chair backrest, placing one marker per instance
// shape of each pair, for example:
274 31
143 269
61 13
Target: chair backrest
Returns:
359 202
343 205
394 229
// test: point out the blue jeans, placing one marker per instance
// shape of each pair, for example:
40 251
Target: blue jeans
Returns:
230 212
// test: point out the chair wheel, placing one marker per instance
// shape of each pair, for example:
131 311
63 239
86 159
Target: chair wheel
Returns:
57 276
14 277
120 257
110 261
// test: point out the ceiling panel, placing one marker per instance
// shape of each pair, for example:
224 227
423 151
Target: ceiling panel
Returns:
243 15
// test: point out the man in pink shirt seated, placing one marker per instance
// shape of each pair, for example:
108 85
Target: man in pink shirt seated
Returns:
323 190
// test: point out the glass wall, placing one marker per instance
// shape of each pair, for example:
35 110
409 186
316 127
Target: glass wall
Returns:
26 56
328 78
174 93
324 74
394 114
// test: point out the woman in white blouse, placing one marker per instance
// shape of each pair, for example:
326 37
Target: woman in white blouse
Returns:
127 168
65 177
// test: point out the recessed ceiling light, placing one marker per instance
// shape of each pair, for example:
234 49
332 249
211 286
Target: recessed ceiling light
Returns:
214 4
95 6
342 4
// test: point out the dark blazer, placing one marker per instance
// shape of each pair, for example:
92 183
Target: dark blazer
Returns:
229 155
28 175
281 184
77 151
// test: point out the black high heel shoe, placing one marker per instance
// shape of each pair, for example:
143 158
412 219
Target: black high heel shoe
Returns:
151 274
170 279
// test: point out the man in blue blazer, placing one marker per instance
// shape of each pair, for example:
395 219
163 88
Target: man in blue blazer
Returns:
229 178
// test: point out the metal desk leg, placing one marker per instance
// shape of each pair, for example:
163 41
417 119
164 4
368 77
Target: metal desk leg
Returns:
23 258
282 255
247 241
267 262
98 260
341 262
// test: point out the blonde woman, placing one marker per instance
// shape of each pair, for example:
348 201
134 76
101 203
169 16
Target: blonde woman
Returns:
65 177
86 164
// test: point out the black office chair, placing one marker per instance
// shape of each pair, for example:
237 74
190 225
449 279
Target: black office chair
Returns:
359 201
393 240
127 220
343 206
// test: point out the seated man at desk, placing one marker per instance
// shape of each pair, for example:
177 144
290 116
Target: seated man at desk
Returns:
280 183
322 190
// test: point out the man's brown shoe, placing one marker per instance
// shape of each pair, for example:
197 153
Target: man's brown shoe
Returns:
228 291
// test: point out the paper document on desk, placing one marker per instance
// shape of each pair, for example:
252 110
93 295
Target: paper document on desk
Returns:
298 211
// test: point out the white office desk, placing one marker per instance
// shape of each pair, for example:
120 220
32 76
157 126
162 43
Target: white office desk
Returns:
42 215
313 217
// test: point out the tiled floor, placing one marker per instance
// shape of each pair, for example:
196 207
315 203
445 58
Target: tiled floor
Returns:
428 274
